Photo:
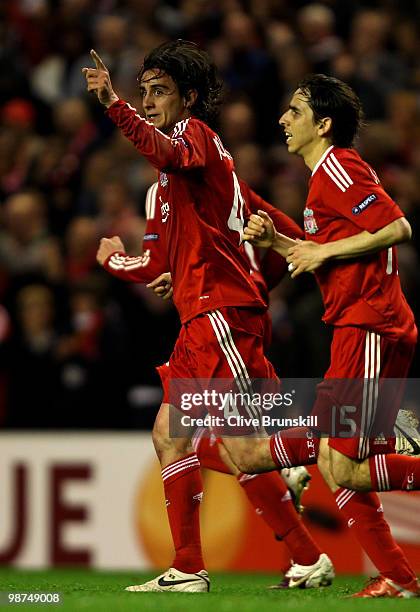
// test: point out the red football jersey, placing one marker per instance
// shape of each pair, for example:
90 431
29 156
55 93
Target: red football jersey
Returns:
345 197
145 268
202 213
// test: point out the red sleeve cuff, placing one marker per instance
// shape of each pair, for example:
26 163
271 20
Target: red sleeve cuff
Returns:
115 106
106 262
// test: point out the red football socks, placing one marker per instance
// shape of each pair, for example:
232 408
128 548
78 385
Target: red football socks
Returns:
364 516
183 493
272 500
206 447
293 447
390 472
270 497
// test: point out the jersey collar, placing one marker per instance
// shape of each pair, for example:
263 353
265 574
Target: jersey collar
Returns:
319 162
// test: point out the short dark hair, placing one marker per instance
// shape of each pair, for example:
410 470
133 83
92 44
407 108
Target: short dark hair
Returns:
330 97
191 68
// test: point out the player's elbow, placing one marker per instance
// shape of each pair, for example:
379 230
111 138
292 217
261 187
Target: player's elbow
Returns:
402 230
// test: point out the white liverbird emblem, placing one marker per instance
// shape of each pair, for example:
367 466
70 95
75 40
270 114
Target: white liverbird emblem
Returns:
309 221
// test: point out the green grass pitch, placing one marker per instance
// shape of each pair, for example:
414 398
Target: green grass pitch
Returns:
103 592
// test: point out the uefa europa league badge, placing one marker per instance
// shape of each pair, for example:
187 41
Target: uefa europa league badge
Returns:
309 221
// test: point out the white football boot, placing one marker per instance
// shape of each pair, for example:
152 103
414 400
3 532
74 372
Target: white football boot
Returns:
407 435
175 581
297 481
313 576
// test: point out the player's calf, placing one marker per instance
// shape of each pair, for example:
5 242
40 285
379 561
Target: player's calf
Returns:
349 473
168 448
250 455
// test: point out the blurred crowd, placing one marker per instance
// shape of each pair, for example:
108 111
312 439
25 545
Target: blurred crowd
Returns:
77 347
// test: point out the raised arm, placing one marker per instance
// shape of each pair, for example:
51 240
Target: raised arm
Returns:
99 81
185 149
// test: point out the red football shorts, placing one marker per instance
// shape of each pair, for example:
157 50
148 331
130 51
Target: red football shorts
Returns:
226 344
362 390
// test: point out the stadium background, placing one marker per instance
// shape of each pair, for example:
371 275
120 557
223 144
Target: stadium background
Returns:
78 348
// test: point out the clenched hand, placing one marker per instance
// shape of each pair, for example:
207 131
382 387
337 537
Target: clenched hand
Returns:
162 286
107 246
260 230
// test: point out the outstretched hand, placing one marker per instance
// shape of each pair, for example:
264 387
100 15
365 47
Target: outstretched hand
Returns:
99 81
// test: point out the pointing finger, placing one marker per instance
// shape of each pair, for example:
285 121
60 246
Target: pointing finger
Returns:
97 60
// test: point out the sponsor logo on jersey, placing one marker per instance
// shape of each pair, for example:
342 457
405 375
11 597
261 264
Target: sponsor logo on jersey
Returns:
356 210
309 221
163 179
164 210
151 237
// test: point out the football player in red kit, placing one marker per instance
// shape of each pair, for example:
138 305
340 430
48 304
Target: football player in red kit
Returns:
202 210
267 492
352 227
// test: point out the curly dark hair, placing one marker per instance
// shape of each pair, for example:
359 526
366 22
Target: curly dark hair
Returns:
330 97
191 68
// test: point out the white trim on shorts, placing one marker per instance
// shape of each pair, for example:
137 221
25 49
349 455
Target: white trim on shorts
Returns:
236 363
370 390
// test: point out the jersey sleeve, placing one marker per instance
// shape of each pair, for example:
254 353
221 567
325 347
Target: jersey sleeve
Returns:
185 149
352 190
152 263
282 222
273 266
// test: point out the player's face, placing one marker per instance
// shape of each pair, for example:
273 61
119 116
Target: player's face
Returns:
302 134
163 105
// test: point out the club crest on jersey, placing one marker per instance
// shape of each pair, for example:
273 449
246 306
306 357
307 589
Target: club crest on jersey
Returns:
309 221
163 179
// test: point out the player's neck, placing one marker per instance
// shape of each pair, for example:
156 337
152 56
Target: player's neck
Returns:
312 157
